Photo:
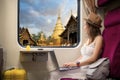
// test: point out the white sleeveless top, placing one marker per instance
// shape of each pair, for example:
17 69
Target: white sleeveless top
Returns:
87 51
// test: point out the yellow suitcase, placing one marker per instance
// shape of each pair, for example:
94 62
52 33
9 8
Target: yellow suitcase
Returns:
15 74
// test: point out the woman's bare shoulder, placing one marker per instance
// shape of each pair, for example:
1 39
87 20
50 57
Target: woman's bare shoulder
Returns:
99 37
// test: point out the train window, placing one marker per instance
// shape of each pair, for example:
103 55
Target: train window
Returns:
49 23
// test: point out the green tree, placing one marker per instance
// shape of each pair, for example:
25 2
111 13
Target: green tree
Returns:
35 37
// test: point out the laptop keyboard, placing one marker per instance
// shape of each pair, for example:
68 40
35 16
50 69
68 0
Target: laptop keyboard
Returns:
67 68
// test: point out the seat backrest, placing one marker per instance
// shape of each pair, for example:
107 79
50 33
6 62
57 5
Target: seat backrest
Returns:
111 37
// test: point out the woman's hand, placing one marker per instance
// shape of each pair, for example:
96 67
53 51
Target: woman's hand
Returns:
69 64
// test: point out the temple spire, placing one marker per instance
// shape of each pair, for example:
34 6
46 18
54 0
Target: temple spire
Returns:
58 30
59 13
59 22
71 12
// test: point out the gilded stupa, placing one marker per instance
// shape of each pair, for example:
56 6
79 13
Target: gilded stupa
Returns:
42 40
57 32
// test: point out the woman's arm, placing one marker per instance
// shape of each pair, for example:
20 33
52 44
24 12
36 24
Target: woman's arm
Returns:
96 52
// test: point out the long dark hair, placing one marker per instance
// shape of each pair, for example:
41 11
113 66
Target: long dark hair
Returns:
93 31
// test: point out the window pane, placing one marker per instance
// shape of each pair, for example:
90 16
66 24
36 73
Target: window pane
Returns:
48 23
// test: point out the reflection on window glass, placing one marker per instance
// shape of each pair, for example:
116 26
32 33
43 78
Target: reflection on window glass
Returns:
48 23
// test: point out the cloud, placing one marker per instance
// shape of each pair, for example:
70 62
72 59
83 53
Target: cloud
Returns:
34 13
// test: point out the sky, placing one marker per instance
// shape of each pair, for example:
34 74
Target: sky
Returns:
41 15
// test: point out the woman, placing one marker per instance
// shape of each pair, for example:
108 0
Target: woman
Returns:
91 50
